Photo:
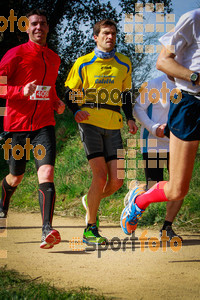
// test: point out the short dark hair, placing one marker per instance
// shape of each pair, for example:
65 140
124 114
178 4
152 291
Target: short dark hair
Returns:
39 12
102 23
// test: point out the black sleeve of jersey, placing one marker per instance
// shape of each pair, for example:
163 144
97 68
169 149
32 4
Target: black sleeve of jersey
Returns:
72 106
127 105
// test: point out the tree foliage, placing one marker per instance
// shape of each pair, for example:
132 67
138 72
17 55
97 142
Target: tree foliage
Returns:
128 6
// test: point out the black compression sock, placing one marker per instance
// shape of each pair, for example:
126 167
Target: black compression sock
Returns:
166 223
89 225
7 192
47 197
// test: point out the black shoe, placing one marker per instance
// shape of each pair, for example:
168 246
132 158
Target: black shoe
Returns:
50 237
170 233
3 216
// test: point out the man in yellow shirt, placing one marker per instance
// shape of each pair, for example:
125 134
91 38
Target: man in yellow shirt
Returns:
103 77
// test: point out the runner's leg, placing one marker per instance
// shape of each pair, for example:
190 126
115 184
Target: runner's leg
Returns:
182 157
99 179
113 183
181 164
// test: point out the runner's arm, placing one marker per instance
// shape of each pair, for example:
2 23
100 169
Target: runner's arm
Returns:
79 115
140 112
127 106
166 63
71 105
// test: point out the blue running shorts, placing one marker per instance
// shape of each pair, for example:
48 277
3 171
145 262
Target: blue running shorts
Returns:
184 118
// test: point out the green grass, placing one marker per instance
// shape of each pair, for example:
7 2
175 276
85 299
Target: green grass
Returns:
14 286
73 178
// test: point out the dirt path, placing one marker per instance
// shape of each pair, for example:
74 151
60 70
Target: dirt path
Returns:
136 273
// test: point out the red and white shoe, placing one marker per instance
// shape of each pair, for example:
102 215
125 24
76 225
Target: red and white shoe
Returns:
50 237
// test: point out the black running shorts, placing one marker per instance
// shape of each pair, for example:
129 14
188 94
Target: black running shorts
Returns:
99 142
41 142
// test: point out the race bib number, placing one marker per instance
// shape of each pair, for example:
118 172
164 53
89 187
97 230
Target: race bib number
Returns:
41 93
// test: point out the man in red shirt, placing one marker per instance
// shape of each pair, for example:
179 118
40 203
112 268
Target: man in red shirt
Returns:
31 71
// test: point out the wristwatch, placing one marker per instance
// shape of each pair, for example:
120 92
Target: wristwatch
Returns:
193 77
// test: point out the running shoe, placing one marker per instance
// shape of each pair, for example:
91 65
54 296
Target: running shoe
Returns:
91 236
84 202
3 220
3 214
131 213
129 196
170 233
50 237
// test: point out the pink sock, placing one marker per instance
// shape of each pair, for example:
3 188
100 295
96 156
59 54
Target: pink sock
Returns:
154 194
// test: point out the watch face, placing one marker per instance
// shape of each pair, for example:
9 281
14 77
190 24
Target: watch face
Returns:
194 77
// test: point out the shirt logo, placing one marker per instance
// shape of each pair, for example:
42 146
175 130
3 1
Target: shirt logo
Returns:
107 81
103 79
106 68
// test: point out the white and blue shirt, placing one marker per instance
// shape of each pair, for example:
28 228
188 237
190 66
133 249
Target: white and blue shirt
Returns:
151 110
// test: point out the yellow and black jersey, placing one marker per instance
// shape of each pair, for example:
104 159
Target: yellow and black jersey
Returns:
101 81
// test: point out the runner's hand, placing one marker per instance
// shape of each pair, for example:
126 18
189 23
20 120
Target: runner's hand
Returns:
30 88
160 130
132 127
81 115
60 107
